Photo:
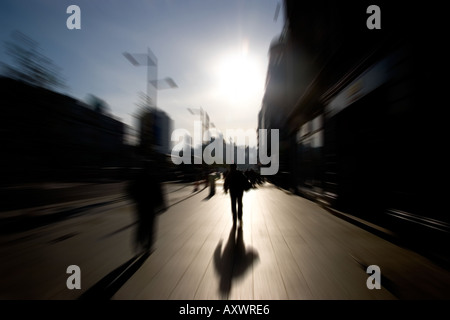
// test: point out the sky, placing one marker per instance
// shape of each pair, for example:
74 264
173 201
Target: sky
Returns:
216 51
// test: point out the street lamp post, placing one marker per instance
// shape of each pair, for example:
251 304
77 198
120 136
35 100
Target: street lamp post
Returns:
150 60
200 112
147 134
204 119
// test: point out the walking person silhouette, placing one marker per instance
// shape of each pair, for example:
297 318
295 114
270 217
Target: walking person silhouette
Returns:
236 183
146 191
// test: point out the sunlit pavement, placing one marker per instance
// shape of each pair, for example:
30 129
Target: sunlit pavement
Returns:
290 249
287 248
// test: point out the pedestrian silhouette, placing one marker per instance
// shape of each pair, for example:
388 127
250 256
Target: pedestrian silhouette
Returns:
236 183
146 191
212 183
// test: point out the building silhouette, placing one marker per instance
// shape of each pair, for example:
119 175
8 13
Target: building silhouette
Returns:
51 136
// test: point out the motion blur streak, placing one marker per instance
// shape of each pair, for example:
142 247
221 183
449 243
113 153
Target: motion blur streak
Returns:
358 116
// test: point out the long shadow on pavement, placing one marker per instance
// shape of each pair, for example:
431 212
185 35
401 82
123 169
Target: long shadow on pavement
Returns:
234 261
112 282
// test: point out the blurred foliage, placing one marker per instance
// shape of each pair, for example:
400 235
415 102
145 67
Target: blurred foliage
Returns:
29 64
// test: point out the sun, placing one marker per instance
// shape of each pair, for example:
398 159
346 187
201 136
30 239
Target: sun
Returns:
241 78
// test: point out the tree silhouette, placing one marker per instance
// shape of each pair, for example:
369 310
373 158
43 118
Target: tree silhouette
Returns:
29 64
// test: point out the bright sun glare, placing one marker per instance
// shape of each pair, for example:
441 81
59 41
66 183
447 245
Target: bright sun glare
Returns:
241 79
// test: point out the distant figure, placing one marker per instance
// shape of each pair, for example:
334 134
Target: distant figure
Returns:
212 184
236 183
253 177
146 191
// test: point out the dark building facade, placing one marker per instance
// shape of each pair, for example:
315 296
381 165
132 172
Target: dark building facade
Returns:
48 136
358 108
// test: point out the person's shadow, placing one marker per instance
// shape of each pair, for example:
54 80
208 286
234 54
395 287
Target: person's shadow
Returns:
234 261
113 281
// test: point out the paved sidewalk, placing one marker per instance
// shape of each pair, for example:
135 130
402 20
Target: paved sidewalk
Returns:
287 248
40 204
